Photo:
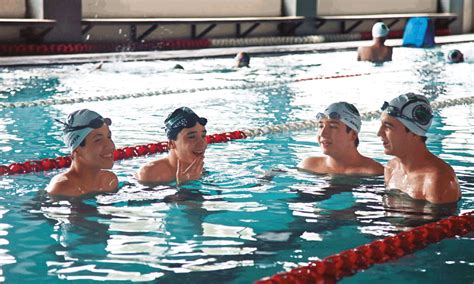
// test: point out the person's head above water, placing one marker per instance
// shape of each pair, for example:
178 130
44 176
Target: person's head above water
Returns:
178 67
242 59
380 30
79 124
412 110
179 119
455 56
345 112
338 130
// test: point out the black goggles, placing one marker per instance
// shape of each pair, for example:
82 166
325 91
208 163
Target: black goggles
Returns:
421 114
95 124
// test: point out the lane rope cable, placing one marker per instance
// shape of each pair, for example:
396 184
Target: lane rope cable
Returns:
243 86
48 164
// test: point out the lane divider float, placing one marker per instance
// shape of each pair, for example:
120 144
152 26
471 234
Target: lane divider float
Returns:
243 86
48 164
348 262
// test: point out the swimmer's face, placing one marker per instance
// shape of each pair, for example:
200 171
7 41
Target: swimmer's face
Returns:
191 143
394 136
241 63
99 149
333 137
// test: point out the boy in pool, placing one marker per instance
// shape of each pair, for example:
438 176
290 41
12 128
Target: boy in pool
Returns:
187 144
89 139
455 56
338 129
242 59
378 51
414 170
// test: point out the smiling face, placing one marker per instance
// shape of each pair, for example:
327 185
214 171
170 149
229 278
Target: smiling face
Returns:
394 136
99 149
333 136
190 143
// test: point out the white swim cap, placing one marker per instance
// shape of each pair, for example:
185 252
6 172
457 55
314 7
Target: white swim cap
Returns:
79 124
380 30
412 110
345 112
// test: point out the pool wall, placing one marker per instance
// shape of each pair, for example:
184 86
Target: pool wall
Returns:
106 9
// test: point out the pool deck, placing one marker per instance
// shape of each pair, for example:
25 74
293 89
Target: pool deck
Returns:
207 52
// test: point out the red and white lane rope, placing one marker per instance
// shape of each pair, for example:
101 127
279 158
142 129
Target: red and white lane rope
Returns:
160 147
349 262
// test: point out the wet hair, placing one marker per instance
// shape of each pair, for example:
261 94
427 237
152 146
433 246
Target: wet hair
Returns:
356 142
83 143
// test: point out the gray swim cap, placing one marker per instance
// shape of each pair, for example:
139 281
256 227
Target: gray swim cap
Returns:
346 112
412 110
79 124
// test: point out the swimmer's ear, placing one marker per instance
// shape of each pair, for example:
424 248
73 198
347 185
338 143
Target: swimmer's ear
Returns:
171 144
353 135
74 153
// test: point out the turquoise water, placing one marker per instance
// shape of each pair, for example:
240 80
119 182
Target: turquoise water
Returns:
252 214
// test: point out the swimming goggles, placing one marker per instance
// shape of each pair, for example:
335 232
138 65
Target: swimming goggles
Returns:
95 124
420 113
332 115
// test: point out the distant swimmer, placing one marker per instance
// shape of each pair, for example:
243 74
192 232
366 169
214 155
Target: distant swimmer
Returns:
178 67
414 170
378 51
338 135
89 139
455 56
242 59
186 133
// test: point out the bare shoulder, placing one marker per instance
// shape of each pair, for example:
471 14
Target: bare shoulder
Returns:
372 167
108 181
439 170
60 184
441 184
155 172
311 164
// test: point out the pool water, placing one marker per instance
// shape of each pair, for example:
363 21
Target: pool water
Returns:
252 214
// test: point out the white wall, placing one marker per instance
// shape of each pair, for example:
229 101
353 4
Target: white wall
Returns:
468 21
179 8
361 7
12 8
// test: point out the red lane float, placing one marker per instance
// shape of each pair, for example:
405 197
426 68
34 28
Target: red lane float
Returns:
119 154
77 48
346 263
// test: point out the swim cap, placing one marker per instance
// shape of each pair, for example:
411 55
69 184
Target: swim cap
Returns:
380 30
412 110
180 118
242 59
79 124
345 112
178 67
455 56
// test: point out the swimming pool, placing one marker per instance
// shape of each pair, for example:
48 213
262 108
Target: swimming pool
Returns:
253 214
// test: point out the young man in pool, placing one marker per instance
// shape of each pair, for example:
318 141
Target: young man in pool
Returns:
378 51
414 170
338 130
187 144
89 139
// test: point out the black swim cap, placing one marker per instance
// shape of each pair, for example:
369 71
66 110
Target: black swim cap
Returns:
180 118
